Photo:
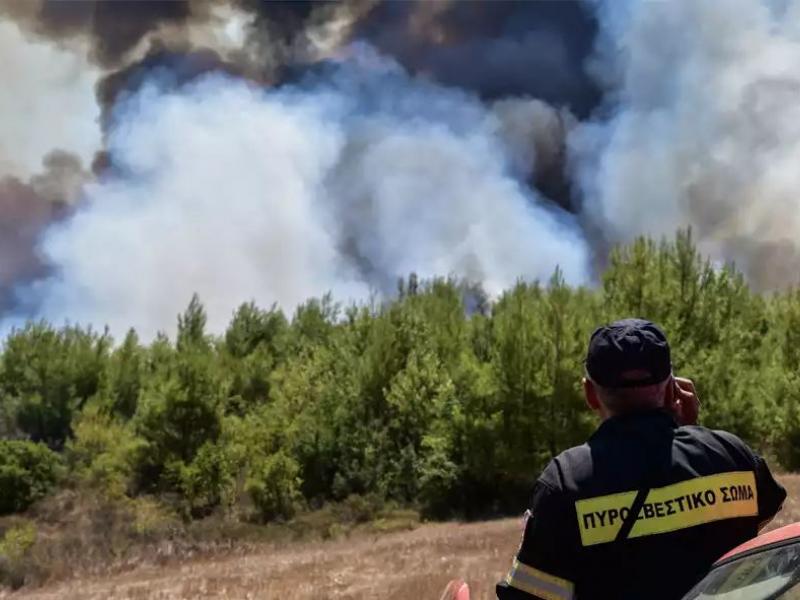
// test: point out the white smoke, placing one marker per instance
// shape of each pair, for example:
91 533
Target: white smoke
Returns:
48 103
534 132
705 130
344 183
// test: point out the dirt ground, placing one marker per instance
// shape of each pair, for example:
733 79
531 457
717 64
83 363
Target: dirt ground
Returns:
406 565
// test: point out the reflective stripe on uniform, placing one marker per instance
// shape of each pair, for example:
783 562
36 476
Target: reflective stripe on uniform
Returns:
677 506
539 583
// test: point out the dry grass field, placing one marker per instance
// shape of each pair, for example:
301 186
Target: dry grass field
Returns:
403 565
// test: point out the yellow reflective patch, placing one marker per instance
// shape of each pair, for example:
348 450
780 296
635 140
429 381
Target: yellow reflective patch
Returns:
538 583
677 506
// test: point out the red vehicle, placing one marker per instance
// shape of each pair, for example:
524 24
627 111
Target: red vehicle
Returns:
765 568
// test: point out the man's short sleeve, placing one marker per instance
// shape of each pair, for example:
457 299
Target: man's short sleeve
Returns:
545 563
771 494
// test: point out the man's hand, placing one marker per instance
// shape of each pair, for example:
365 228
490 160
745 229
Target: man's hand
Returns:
682 401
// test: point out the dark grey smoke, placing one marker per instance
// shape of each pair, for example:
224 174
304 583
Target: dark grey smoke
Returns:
28 207
113 28
497 49
24 214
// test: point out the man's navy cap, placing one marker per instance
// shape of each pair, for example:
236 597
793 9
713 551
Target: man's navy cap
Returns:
628 353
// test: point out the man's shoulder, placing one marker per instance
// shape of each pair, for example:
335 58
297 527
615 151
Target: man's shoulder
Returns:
569 462
702 430
719 443
719 438
576 453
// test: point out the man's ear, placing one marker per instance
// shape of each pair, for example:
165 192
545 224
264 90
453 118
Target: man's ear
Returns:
589 391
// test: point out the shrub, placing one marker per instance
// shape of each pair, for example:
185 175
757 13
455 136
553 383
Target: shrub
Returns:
14 548
102 452
274 486
28 471
178 414
208 481
48 374
359 509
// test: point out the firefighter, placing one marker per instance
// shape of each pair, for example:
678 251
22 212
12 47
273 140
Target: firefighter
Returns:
651 500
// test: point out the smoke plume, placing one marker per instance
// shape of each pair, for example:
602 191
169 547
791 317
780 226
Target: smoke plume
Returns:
47 132
341 184
496 49
704 130
278 150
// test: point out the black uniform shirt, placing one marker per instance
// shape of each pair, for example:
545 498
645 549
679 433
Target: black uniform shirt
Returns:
707 492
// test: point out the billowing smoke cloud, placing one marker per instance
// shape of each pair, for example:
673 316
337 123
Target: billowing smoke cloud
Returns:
497 49
47 103
65 64
705 130
342 183
48 131
24 215
111 30
28 207
277 150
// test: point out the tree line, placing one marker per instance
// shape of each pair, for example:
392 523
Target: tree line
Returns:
442 398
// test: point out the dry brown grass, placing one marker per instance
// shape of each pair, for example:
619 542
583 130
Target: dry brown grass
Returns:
414 564
402 565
